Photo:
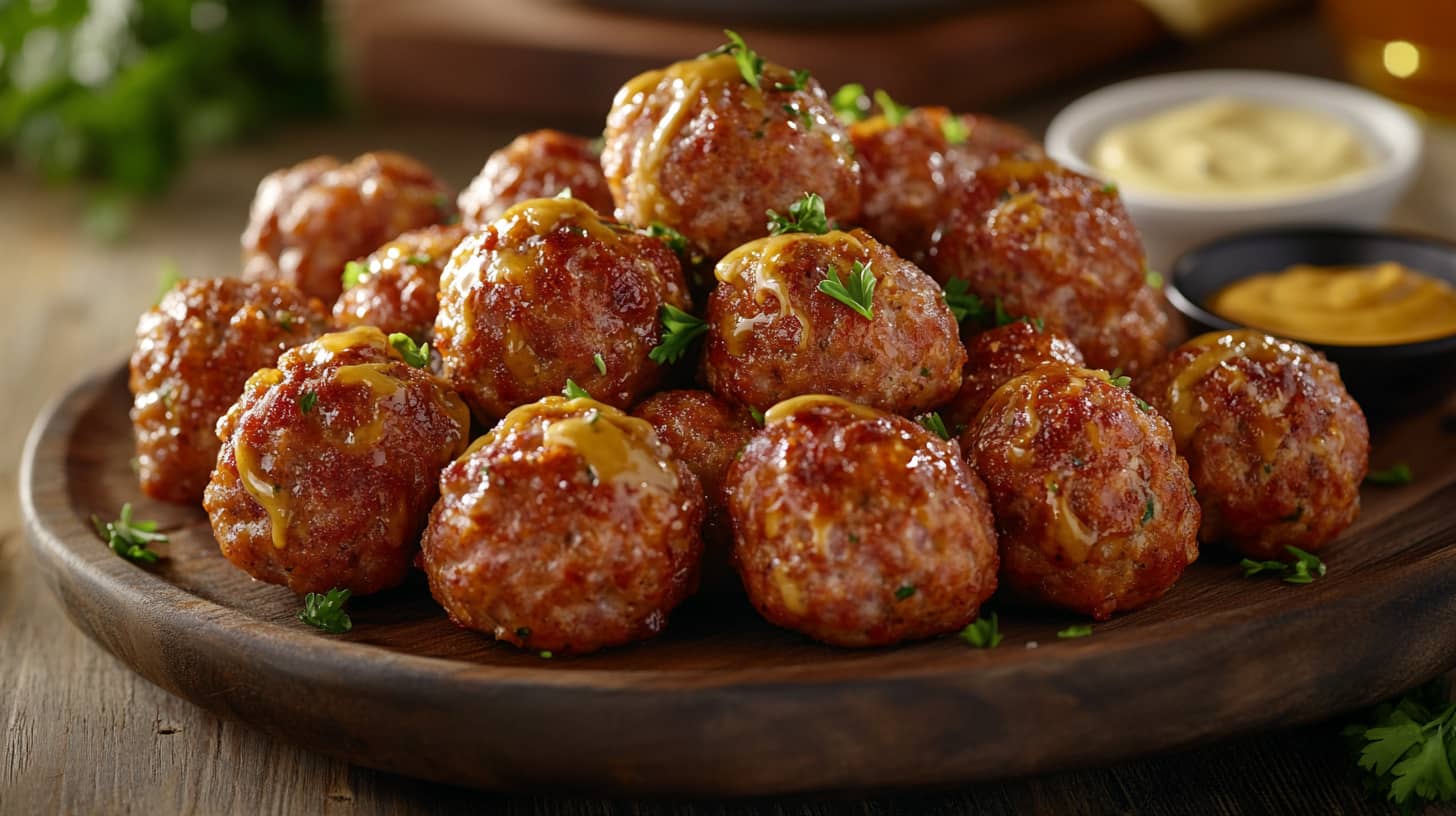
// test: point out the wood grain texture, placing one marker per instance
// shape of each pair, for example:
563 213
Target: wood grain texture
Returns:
81 733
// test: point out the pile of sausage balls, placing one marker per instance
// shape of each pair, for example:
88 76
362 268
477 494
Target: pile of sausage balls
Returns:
868 368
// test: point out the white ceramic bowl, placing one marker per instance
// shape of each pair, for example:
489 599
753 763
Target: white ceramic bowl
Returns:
1171 224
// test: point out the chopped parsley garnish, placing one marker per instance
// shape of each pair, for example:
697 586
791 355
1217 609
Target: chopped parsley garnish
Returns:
962 303
805 215
1119 379
680 329
354 273
1148 511
756 414
574 391
1406 746
599 362
1305 568
545 654
904 592
307 401
932 422
1143 405
419 260
750 64
850 103
675 241
801 80
1080 630
1110 188
285 321
983 633
894 112
1152 277
954 129
417 356
128 538
858 294
1398 474
801 114
326 611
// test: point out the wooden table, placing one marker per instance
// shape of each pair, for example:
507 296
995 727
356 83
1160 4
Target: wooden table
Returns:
82 734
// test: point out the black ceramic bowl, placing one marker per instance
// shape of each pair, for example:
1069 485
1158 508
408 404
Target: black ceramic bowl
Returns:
1372 373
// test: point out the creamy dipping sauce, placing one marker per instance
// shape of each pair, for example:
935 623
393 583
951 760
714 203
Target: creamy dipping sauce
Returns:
1230 147
1376 305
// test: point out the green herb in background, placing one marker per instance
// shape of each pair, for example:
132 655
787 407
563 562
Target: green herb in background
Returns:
123 92
326 611
1405 747
983 632
1398 474
128 538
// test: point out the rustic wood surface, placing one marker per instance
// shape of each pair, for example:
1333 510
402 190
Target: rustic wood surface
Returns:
83 734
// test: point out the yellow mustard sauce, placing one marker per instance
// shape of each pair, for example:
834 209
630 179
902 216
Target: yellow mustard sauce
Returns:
793 405
1230 147
1375 305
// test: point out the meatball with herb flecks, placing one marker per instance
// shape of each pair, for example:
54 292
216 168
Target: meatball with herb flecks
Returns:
996 355
194 351
1052 244
1275 445
1093 505
553 292
569 527
838 313
539 164
309 220
397 288
859 528
329 465
708 146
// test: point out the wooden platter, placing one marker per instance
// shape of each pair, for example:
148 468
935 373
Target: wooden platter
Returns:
724 704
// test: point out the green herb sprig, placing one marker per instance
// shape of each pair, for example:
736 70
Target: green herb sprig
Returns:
1393 476
354 273
893 111
326 611
680 329
858 293
983 632
574 391
805 215
128 538
934 423
1080 630
416 355
850 103
1406 747
1304 569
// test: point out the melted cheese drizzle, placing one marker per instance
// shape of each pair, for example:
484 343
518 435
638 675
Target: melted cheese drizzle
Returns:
684 82
617 447
357 337
795 405
1070 535
764 260
1215 350
273 501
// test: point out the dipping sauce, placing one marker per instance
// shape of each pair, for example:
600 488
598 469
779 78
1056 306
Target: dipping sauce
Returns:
1377 305
1230 147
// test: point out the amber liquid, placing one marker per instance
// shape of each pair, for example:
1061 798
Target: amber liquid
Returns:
1404 49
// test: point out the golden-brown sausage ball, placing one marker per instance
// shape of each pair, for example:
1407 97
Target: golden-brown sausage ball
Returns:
996 355
1093 506
908 168
399 290
330 463
569 527
308 220
699 149
1275 445
859 528
539 164
707 434
1056 245
194 351
552 292
773 333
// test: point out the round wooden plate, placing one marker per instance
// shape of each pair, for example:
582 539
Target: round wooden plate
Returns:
724 704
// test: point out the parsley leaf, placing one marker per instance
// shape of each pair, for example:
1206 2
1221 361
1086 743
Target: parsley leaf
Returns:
417 356
750 64
756 414
676 241
850 103
904 592
805 215
1109 188
1399 474
307 401
858 294
1406 745
574 391
1152 277
354 273
419 260
801 79
326 611
894 112
1081 630
600 362
1305 568
680 329
983 633
954 129
933 422
1143 405
962 303
129 539
1119 379
1148 510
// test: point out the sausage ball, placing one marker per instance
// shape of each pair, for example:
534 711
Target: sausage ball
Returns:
1093 505
1053 244
707 434
399 288
552 292
774 334
908 169
538 164
858 527
194 351
697 148
1276 446
309 220
569 527
995 356
330 463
